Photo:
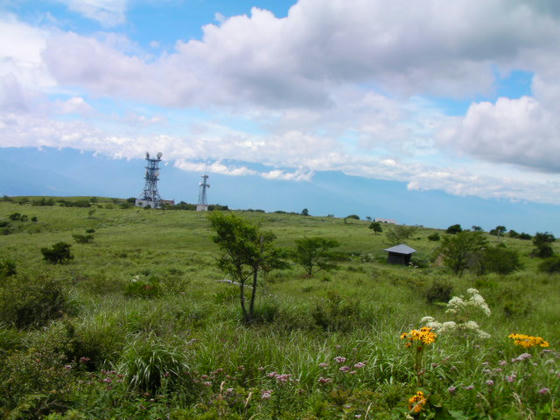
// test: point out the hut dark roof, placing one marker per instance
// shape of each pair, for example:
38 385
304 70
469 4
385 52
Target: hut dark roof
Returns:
401 249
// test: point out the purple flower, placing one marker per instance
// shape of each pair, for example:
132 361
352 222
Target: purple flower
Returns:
266 394
469 388
344 368
325 380
359 365
452 389
323 365
543 391
107 380
511 378
502 363
490 382
67 367
340 359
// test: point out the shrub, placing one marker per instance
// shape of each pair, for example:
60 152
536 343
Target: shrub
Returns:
453 229
542 243
500 260
353 216
434 237
336 314
25 303
7 268
439 291
550 265
315 254
148 363
138 287
58 254
83 239
15 216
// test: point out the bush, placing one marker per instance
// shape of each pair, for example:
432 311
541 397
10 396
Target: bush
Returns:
7 268
25 303
439 291
550 265
148 363
434 237
335 314
58 254
500 260
453 229
138 287
83 239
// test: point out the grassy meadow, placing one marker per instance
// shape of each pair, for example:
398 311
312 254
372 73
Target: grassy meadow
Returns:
144 325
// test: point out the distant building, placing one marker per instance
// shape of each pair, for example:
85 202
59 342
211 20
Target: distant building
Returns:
400 254
382 220
167 202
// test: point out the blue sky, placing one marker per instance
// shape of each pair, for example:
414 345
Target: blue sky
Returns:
396 110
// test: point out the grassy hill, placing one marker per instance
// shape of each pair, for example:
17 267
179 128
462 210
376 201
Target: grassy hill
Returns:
143 325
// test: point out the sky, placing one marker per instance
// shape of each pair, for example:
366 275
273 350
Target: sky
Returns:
429 112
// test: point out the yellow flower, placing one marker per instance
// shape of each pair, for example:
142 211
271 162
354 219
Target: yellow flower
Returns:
424 335
417 402
527 341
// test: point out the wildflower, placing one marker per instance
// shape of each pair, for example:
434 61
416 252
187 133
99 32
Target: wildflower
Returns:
521 357
417 402
527 341
502 363
359 365
452 389
340 359
543 391
266 394
272 374
424 335
323 365
511 378
324 380
107 380
469 388
207 383
84 359
490 382
67 367
344 369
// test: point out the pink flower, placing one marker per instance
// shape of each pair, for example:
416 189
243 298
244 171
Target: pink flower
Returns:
107 380
67 367
344 368
84 359
272 374
490 382
469 388
323 365
266 394
207 383
543 391
511 378
452 389
325 380
502 363
359 365
340 359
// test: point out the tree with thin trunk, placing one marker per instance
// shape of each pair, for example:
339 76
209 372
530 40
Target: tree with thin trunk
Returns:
315 254
245 251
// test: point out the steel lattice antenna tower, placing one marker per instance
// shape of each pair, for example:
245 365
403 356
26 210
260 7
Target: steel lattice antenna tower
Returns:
202 200
150 196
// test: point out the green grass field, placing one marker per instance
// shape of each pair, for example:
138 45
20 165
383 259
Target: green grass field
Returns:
145 327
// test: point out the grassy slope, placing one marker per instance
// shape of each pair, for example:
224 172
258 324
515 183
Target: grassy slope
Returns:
175 247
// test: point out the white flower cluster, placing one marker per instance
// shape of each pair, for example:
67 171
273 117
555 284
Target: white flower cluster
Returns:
458 304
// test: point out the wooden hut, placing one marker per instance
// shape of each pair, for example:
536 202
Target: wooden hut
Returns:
400 254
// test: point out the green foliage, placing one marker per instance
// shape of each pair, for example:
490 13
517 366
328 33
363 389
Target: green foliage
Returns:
26 303
542 243
83 239
305 212
148 364
7 268
499 259
498 231
439 291
434 237
353 216
476 228
245 251
525 236
398 233
336 313
550 265
453 229
463 250
144 288
59 253
375 227
315 254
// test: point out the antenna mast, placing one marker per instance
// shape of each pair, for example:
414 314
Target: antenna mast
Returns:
150 196
202 199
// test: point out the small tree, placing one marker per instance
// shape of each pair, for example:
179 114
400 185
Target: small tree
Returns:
375 227
462 250
315 253
305 212
398 233
542 243
453 229
498 231
476 228
246 251
58 254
